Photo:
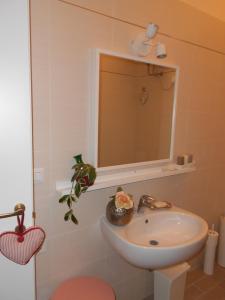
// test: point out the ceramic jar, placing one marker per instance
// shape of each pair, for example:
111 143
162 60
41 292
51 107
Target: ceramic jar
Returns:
118 216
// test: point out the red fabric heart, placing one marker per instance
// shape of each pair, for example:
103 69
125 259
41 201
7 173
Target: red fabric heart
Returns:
20 247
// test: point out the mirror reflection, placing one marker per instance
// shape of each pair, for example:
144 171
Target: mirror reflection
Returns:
136 101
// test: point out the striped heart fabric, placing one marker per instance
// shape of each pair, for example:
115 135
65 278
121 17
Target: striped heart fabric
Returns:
20 247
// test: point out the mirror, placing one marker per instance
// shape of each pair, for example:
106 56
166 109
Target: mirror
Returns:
136 109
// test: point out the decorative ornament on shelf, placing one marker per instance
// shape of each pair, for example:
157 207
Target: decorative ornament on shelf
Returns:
120 209
83 177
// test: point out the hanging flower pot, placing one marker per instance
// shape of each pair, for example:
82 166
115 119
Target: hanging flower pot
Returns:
84 174
83 177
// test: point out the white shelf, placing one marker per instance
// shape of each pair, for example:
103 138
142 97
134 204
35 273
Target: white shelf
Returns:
120 178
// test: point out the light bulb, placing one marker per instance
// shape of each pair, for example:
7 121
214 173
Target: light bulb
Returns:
160 50
151 30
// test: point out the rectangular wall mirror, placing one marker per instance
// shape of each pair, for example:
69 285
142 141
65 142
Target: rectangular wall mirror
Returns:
134 111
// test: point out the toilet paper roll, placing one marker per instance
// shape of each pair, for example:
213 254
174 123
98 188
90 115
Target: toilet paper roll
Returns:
221 248
210 252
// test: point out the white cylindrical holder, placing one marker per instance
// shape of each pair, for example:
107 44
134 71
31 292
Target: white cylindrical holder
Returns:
221 248
210 252
169 283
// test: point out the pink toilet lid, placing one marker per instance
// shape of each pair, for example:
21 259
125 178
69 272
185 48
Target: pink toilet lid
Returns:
84 288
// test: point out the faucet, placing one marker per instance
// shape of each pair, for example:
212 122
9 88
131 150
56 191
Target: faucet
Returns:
146 201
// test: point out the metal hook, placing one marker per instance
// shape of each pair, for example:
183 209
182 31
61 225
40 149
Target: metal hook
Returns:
18 211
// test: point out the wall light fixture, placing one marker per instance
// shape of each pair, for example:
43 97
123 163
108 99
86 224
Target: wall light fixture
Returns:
142 45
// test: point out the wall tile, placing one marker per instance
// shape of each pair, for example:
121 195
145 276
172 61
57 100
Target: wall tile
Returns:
62 36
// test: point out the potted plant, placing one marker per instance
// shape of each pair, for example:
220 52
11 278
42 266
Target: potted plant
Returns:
83 177
120 209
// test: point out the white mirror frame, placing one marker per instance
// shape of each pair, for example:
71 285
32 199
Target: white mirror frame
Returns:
129 173
95 111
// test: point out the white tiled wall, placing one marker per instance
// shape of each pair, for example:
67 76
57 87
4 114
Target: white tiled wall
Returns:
62 36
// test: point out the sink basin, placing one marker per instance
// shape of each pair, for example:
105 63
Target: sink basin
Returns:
159 238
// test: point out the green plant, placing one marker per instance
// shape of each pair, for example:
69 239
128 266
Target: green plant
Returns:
83 177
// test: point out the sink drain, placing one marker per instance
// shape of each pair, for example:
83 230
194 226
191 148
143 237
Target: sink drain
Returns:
153 242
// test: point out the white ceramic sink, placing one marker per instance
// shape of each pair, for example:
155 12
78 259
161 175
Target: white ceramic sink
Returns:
159 238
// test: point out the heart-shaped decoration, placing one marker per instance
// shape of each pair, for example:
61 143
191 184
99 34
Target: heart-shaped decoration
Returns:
20 247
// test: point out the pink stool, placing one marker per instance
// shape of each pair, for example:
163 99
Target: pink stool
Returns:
84 288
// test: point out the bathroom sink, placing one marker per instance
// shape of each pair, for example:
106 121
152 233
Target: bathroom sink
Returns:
157 238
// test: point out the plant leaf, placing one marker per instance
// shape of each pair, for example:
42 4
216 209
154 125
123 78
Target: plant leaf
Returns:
76 175
73 198
74 219
73 177
63 198
68 215
119 189
84 189
69 202
81 172
77 189
92 175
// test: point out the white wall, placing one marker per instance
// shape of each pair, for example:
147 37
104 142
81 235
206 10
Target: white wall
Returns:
62 35
215 9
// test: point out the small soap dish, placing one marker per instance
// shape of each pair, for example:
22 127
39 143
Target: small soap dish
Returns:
157 204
